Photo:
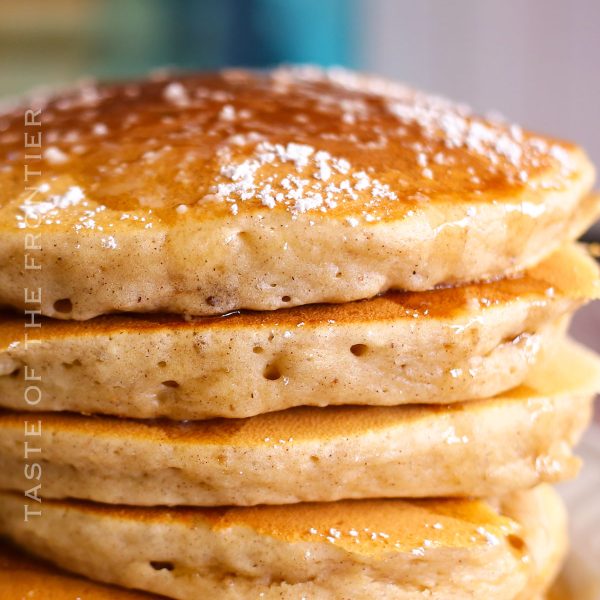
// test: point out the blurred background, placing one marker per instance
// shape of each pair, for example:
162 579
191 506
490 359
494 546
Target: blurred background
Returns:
536 62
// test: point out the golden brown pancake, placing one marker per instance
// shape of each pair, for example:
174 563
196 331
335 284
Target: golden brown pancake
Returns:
26 578
392 549
208 193
483 448
442 346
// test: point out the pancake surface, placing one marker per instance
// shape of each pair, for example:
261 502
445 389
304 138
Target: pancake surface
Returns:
25 578
357 549
443 346
241 190
479 449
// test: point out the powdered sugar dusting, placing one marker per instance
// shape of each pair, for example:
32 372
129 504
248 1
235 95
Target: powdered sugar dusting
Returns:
100 129
315 180
50 207
440 119
55 156
176 93
306 139
454 125
227 113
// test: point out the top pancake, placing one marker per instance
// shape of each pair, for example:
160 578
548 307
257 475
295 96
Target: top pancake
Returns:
244 190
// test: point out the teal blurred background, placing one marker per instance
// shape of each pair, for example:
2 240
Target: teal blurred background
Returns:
59 40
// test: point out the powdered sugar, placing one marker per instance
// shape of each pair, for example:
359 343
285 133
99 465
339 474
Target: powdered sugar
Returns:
55 156
176 93
34 209
303 139
99 129
316 180
440 119
455 127
227 113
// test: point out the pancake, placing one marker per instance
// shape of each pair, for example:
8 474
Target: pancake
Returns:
442 346
25 578
546 530
207 193
482 448
392 549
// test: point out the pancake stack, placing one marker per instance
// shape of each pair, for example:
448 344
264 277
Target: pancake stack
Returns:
289 334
